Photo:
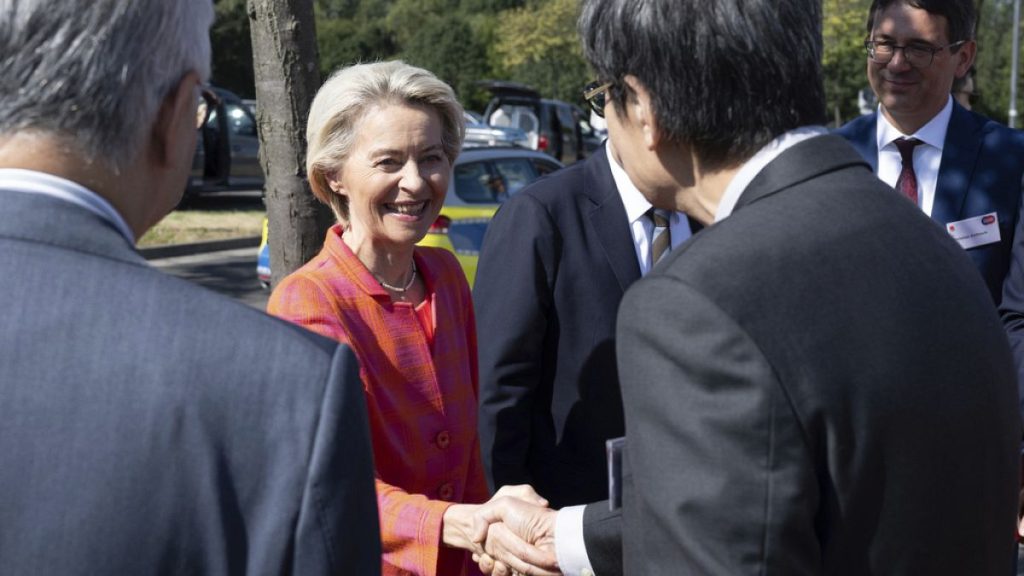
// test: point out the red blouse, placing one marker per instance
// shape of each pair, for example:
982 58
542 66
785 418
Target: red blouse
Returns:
421 397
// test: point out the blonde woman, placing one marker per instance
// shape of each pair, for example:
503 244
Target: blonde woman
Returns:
382 139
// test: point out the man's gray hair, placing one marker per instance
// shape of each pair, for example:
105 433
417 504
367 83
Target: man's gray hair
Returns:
94 72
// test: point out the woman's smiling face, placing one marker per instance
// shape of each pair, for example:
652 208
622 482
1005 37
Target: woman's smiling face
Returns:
395 176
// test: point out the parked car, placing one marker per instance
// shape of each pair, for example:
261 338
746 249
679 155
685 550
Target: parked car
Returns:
227 153
593 137
480 134
482 178
553 126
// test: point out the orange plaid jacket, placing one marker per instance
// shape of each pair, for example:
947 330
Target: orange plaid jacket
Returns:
422 399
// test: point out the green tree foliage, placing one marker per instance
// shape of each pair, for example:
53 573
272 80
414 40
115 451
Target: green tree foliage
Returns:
992 64
489 6
343 42
844 28
538 45
232 48
535 42
447 46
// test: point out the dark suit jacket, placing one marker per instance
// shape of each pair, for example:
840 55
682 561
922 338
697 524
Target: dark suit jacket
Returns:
148 426
818 384
981 171
555 263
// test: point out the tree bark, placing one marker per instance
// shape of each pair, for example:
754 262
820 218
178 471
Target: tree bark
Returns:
285 63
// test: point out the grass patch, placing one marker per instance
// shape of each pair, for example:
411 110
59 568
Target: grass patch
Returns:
185 226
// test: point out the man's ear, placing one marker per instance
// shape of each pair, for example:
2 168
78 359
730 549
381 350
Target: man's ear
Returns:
965 57
643 111
175 120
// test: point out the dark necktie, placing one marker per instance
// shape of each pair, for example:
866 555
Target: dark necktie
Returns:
906 184
661 238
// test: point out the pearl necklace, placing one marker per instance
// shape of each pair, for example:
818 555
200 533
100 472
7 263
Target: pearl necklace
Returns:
400 289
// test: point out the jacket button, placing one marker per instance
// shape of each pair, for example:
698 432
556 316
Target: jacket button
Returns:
444 439
446 491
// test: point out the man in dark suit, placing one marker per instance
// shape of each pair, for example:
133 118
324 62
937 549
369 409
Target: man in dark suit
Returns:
148 426
817 383
968 168
555 263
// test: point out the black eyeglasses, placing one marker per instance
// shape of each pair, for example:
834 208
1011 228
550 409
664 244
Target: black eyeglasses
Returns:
208 101
917 55
596 95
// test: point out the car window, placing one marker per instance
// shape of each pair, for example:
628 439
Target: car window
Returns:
511 115
240 123
544 167
565 117
515 172
475 184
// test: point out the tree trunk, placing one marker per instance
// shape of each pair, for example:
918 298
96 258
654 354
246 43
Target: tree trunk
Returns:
287 77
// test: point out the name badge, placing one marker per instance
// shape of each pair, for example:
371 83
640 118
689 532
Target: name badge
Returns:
976 231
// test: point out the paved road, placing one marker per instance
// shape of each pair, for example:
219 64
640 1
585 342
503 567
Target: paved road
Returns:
230 272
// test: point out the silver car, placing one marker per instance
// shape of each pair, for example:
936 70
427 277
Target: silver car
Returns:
479 134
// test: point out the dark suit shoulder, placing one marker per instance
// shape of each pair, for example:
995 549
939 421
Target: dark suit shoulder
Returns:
999 135
551 189
590 180
226 336
857 127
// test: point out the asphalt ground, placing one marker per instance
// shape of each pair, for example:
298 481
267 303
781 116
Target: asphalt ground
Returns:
231 272
224 266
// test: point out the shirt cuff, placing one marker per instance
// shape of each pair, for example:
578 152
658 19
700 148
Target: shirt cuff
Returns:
569 545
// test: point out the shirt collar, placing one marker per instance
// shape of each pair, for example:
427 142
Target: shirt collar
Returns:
33 182
933 133
633 200
757 162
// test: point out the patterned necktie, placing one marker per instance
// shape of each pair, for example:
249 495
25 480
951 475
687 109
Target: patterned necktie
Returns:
906 184
661 238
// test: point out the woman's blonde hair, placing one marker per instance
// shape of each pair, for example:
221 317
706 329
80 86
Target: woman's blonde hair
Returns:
346 97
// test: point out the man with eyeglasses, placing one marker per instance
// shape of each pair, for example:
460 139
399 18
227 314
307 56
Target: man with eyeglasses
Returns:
817 382
960 168
149 426
555 262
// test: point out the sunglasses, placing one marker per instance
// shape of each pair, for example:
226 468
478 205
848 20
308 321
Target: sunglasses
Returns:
596 95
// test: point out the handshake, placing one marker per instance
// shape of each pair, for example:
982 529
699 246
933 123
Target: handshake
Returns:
512 533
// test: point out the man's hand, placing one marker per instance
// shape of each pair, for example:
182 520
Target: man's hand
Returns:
519 537
462 526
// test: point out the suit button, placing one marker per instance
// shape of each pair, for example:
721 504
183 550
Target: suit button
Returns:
586 572
446 491
444 439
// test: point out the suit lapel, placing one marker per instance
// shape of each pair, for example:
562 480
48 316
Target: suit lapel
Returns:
959 155
804 161
863 136
608 219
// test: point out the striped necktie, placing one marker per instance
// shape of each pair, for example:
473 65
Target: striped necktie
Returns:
661 238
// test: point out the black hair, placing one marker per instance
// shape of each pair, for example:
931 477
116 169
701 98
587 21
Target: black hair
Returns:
959 14
725 77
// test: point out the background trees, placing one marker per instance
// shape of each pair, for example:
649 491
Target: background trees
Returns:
463 42
535 42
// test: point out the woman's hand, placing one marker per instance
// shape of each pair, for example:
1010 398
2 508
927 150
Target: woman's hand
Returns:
464 526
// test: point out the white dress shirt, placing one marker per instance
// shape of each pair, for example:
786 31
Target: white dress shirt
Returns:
751 168
32 182
641 227
927 156
569 545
